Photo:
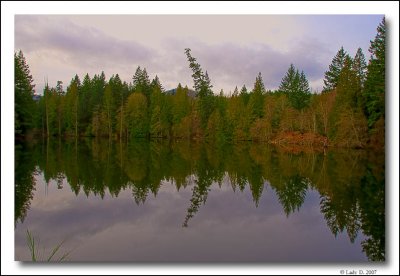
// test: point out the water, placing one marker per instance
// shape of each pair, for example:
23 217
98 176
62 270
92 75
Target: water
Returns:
166 201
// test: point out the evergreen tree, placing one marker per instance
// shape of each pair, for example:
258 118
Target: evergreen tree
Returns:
295 86
348 85
60 106
375 83
360 67
332 76
290 80
72 106
202 86
235 92
23 90
156 83
348 121
141 83
256 101
137 115
108 107
85 103
243 91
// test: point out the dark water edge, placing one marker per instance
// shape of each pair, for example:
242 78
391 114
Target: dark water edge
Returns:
347 187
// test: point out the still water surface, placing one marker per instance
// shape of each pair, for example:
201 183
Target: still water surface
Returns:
191 202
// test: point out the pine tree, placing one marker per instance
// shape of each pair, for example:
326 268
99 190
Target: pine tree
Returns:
332 76
290 80
360 67
141 83
295 86
23 90
235 92
256 101
108 106
202 86
243 91
348 121
375 83
156 83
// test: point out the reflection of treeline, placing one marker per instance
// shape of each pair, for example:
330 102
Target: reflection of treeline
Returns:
350 184
24 181
350 111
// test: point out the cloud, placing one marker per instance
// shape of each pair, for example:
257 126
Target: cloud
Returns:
233 49
231 64
60 49
86 46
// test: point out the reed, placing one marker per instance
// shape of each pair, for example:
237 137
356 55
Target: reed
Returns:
38 256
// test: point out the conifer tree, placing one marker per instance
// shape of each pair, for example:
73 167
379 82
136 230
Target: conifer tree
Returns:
360 67
375 82
23 91
295 86
256 101
202 86
332 75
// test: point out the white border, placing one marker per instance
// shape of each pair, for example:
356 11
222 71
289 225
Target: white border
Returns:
9 9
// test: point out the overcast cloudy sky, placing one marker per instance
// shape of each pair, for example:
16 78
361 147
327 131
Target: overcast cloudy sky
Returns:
232 48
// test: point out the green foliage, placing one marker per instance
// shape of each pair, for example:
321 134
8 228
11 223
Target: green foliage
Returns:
348 122
72 107
202 86
295 86
256 101
23 91
108 107
137 115
115 109
37 256
161 117
359 66
374 93
332 76
141 82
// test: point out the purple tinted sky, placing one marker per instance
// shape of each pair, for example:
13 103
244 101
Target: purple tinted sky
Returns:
232 48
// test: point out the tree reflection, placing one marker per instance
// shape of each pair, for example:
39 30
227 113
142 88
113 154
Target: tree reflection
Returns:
351 183
24 181
293 192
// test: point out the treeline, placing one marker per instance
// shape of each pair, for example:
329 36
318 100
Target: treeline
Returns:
349 112
351 183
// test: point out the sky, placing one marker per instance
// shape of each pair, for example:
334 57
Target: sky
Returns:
231 48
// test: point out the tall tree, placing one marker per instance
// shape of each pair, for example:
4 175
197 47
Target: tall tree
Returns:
243 90
72 106
256 100
332 75
375 83
350 125
137 115
23 90
360 67
289 80
156 83
60 105
295 86
86 103
202 86
141 83
51 109
235 92
108 106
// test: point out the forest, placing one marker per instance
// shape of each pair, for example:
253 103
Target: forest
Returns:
349 112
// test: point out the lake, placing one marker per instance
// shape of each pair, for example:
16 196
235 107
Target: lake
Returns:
181 201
